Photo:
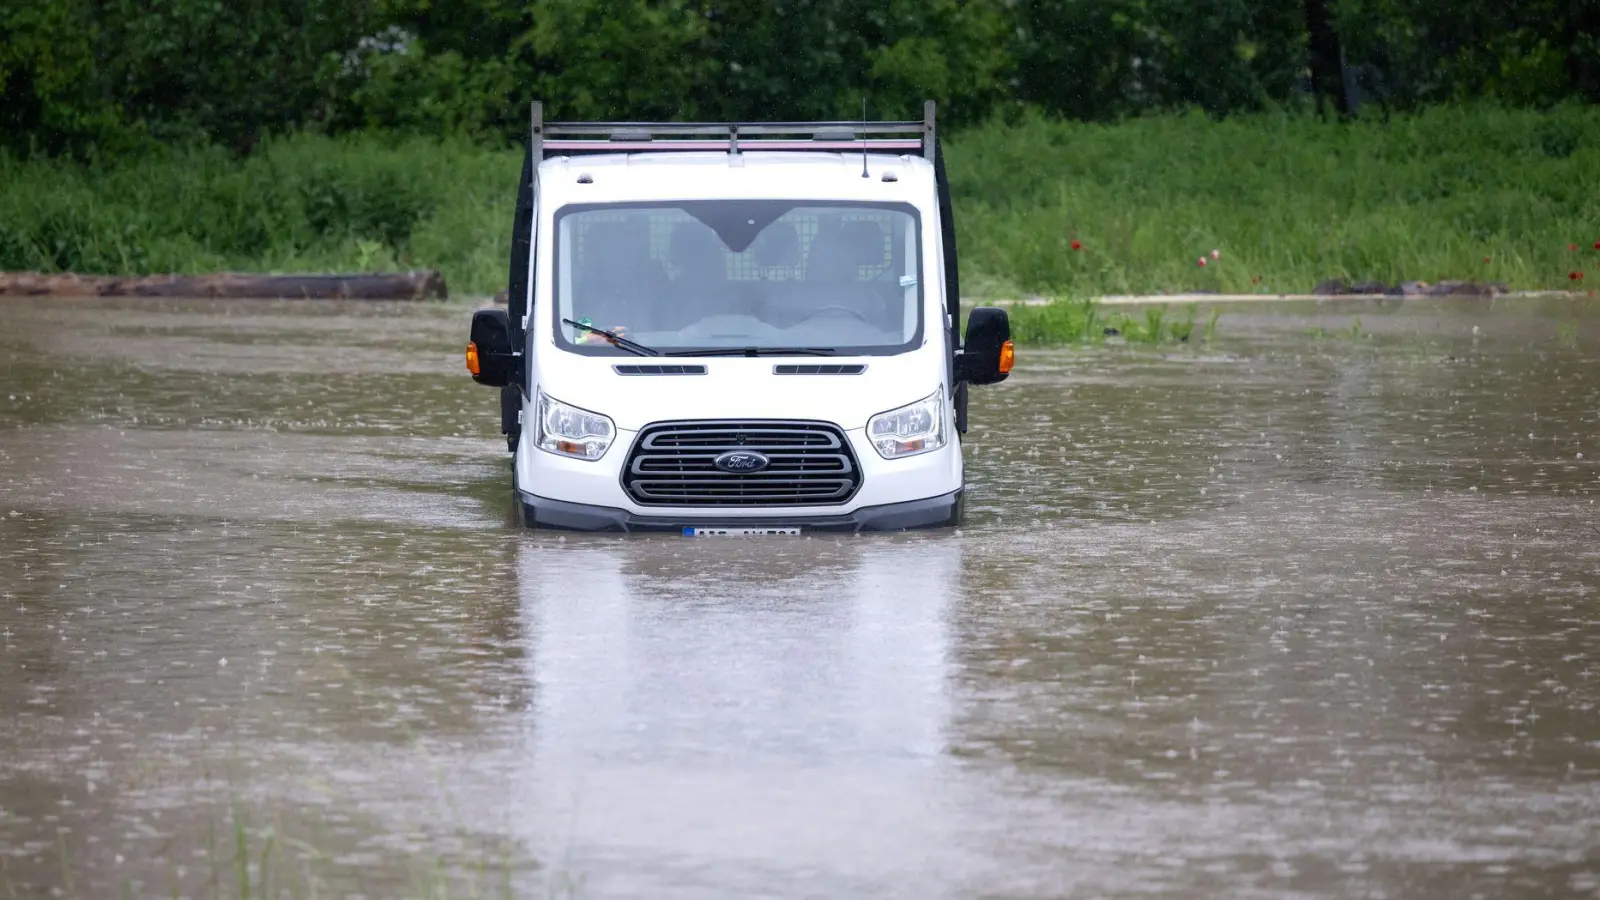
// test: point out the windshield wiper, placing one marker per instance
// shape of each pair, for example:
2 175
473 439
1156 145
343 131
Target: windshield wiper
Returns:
757 351
615 338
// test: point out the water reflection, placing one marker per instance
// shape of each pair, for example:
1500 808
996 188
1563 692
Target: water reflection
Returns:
748 709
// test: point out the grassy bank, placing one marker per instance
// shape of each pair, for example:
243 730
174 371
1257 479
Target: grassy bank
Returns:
305 204
1488 195
1484 194
1069 321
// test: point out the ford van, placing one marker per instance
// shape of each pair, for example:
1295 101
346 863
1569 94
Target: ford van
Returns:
735 329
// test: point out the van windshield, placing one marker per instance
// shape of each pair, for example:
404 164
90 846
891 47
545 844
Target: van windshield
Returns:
740 275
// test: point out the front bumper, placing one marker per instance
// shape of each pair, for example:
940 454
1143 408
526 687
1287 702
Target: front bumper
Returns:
930 512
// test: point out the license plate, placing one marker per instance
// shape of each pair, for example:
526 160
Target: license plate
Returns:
690 531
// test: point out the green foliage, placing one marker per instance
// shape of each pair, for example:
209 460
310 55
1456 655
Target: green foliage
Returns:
74 73
226 72
1101 59
622 59
303 204
49 98
80 74
817 59
117 75
1288 201
1086 321
392 82
1061 322
1532 52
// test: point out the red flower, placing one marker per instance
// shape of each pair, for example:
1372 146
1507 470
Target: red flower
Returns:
1202 262
1575 276
1572 246
1078 245
1597 245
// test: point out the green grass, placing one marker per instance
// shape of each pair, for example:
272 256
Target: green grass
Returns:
303 204
1086 321
1287 200
250 857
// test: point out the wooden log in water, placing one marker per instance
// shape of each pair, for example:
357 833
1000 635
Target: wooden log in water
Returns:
420 285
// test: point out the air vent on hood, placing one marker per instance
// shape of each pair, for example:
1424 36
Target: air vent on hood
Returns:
819 369
660 370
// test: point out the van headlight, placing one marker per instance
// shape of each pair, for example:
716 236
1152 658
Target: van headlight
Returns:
915 428
569 431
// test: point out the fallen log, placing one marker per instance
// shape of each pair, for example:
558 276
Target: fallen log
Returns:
1335 287
420 285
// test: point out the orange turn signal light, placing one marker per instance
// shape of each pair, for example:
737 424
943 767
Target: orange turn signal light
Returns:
472 357
1008 357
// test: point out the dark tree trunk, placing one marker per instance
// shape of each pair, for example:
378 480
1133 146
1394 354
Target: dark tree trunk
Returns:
1327 60
1582 36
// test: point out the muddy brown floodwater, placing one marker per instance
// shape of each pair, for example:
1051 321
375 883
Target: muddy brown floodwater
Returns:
1303 613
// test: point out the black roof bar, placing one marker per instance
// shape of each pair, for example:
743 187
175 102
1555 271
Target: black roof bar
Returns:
723 128
557 138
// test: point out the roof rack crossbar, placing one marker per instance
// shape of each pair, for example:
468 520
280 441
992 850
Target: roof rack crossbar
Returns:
732 145
729 129
734 137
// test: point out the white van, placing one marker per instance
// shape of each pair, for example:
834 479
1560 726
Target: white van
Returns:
735 329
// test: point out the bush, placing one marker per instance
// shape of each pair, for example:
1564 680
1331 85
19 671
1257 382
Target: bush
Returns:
303 204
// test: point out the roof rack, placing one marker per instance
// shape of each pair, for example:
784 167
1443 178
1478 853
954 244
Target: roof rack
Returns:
580 138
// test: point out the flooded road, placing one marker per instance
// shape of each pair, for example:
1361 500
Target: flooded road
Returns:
1310 612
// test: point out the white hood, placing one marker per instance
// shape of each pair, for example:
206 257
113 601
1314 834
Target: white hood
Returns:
739 387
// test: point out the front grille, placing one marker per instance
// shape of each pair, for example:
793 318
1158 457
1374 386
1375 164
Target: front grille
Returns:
671 464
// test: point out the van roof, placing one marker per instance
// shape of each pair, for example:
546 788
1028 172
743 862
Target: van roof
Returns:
680 175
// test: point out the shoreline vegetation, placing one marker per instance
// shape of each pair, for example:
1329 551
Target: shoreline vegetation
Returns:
1251 204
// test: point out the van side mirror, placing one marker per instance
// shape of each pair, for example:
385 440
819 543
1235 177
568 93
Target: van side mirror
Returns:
987 354
489 355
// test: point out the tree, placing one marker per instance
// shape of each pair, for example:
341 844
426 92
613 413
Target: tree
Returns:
50 97
1326 58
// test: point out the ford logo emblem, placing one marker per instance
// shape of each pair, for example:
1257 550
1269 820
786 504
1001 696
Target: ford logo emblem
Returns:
741 462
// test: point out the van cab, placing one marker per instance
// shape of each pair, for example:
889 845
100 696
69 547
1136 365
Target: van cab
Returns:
735 328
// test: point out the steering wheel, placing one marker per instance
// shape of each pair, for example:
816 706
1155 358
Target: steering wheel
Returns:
840 309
